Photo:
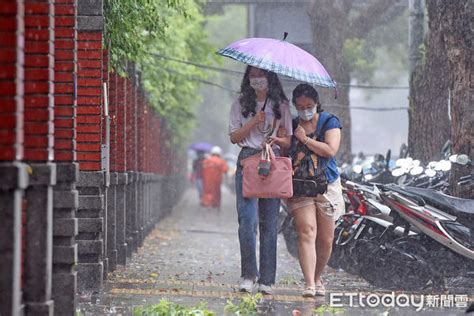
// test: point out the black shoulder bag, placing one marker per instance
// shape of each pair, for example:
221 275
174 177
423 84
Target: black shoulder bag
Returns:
309 175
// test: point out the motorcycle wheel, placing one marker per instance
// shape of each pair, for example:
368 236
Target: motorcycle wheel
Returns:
291 239
392 267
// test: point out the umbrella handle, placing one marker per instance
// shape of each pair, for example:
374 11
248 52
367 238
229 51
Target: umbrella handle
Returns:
264 130
264 104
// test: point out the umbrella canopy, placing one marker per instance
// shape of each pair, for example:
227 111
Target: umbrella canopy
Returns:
201 147
280 57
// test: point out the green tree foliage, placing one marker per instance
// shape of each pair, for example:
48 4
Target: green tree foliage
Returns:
222 28
383 47
359 59
146 32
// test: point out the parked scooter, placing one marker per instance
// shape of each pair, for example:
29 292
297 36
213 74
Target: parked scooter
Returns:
287 228
361 231
445 242
392 253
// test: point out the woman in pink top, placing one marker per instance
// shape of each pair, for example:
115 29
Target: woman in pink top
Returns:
261 103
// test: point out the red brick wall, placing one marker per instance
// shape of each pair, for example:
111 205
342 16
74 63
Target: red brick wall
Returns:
44 116
39 76
140 128
11 80
65 71
146 137
131 127
113 120
89 100
105 79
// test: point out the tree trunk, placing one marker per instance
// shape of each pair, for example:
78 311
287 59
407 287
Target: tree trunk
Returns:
329 34
429 96
457 25
332 23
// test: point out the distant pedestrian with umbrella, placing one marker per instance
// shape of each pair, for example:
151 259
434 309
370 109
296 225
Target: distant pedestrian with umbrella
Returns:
201 149
213 170
196 176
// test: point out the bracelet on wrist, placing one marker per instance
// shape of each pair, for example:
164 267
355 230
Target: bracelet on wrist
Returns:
306 141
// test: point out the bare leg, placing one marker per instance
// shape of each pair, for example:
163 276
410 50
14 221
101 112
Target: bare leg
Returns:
324 239
305 220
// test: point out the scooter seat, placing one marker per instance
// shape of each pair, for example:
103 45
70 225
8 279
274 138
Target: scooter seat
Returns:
452 205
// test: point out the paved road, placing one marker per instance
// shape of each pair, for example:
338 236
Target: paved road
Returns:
193 255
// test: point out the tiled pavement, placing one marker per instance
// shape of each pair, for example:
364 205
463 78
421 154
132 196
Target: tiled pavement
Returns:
193 255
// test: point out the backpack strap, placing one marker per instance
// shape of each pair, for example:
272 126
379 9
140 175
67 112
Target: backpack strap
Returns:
320 135
322 163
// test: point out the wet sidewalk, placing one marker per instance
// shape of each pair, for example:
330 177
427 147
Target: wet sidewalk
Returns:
193 256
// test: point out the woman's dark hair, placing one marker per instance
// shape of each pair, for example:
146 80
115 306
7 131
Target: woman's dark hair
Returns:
248 97
308 91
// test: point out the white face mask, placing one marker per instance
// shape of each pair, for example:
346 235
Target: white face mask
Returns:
259 84
307 115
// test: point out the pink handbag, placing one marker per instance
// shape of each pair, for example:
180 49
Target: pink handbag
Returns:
277 184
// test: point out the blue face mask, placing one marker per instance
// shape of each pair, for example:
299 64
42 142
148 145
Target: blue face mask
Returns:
307 115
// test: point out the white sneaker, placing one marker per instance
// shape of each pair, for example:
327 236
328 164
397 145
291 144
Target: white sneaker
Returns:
265 289
246 285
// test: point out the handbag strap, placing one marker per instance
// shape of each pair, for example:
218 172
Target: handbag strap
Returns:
276 126
271 153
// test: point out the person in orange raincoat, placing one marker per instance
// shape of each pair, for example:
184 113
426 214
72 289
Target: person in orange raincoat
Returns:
213 168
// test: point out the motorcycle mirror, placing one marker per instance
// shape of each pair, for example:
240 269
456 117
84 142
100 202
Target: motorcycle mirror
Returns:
404 163
453 158
446 150
399 162
401 180
387 158
398 172
432 164
430 173
445 165
463 159
357 169
416 171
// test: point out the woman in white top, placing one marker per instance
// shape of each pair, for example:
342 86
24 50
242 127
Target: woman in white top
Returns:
261 103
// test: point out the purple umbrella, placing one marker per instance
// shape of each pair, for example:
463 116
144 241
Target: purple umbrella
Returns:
201 147
280 57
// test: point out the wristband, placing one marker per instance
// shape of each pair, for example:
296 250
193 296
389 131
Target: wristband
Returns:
306 141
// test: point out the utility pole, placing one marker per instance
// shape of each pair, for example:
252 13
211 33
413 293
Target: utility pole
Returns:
416 32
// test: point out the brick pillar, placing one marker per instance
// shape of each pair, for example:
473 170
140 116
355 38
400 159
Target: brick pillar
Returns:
140 155
38 151
65 194
131 196
112 190
91 183
13 174
146 148
105 158
119 166
155 165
